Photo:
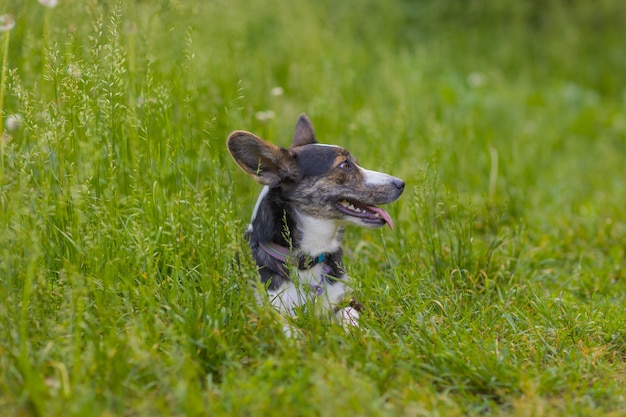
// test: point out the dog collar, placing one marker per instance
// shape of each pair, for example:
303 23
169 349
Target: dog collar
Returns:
283 254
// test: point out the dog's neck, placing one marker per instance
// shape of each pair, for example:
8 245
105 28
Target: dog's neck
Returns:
275 221
317 236
280 236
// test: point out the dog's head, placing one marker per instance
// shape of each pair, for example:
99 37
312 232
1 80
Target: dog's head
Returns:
322 181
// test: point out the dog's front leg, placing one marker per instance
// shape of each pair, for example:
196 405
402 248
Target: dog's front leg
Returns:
347 316
286 298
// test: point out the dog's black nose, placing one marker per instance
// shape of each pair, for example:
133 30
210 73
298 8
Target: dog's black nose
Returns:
398 183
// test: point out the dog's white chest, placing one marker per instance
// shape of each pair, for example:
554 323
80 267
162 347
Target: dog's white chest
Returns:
319 235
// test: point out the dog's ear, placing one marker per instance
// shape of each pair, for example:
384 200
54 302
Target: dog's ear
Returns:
266 163
304 134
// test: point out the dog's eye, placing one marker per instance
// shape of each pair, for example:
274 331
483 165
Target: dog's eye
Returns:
345 165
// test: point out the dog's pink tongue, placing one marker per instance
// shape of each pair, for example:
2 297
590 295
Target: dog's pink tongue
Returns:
383 214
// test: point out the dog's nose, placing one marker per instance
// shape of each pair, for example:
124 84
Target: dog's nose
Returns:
398 183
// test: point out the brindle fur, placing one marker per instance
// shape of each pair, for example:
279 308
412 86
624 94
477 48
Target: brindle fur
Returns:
304 184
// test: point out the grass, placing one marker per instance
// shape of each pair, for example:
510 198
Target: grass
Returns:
123 270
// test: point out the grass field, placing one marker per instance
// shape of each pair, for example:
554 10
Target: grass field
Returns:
123 269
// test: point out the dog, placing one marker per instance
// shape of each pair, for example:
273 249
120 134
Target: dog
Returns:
311 191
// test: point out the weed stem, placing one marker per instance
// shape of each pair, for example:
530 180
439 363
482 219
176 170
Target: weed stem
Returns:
493 174
3 77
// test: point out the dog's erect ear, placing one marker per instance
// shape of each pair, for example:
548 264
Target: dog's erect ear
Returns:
304 134
263 161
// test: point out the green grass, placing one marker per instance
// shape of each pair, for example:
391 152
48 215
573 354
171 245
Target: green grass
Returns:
123 269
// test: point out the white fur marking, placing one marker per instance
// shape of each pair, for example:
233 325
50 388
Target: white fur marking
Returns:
286 298
318 235
327 145
335 293
309 277
295 293
375 177
262 195
289 331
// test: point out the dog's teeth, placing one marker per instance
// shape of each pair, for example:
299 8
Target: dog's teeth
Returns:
377 215
350 206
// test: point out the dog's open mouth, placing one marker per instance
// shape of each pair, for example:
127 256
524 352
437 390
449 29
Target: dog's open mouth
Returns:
368 214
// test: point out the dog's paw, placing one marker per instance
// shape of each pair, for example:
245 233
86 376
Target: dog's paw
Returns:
357 305
348 317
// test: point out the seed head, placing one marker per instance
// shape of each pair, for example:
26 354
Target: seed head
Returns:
73 70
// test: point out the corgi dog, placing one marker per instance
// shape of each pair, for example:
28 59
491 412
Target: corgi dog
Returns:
311 191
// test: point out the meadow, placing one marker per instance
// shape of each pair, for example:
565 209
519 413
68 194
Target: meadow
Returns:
123 269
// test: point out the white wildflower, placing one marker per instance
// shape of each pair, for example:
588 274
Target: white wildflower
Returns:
49 3
264 116
7 22
476 79
13 122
